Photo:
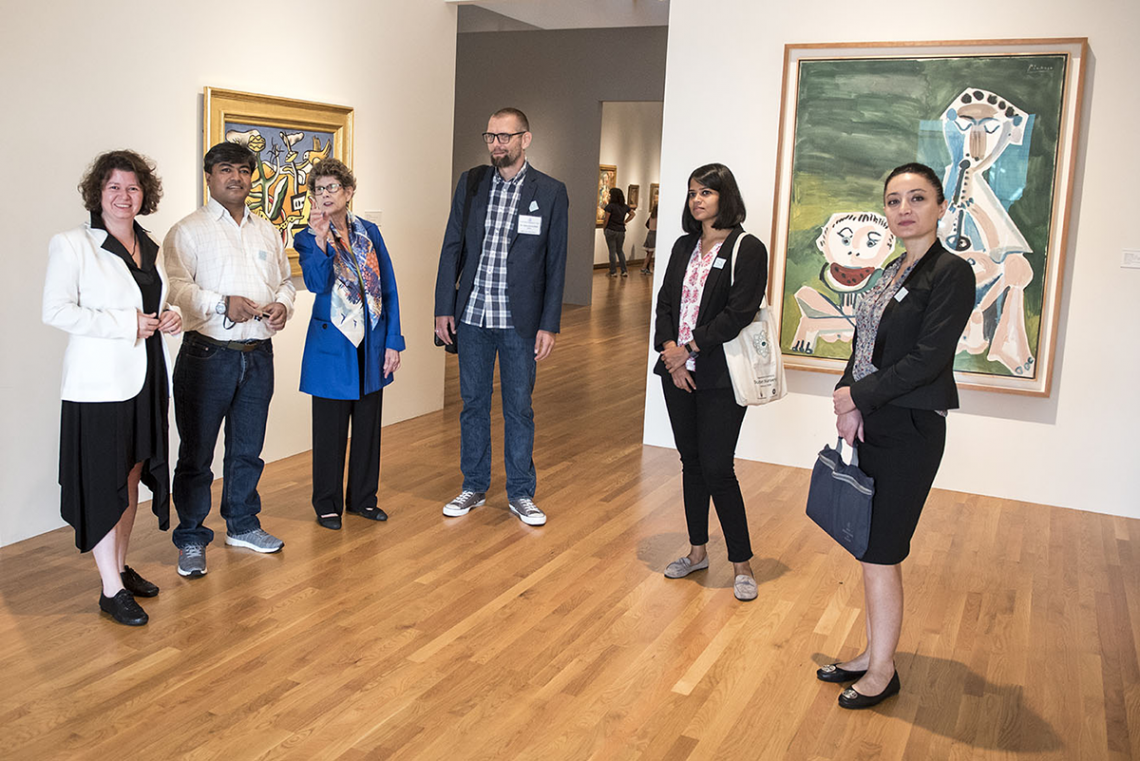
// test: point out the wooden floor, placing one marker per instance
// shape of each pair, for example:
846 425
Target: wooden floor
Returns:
481 638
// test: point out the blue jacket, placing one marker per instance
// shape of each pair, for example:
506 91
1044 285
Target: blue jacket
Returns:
329 367
536 263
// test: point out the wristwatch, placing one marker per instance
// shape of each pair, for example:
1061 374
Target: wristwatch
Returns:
689 349
220 307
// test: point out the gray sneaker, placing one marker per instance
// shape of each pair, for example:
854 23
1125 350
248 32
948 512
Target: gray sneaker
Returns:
192 561
463 504
527 511
258 540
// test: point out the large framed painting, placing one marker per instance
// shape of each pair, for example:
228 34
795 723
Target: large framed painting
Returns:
289 137
998 121
607 180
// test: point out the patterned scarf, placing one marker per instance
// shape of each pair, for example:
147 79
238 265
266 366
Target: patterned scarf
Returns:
357 269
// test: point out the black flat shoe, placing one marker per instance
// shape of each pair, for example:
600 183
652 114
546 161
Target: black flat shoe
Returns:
329 521
137 585
123 608
834 674
849 698
371 513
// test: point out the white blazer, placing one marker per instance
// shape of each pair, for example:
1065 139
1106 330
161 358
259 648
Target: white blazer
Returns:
90 293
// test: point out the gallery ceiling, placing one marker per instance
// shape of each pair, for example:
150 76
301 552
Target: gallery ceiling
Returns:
578 14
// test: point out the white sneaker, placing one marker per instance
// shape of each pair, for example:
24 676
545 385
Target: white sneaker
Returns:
527 511
464 503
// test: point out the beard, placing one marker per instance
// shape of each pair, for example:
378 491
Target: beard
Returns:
508 158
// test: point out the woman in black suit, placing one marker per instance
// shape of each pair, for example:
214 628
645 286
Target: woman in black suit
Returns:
893 398
698 309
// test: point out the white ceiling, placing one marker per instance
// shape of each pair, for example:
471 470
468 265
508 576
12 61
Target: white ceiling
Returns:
578 14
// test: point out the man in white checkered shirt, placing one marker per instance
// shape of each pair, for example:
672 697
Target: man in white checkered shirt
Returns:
230 275
507 294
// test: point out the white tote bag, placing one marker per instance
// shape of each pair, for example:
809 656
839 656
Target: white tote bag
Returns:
753 357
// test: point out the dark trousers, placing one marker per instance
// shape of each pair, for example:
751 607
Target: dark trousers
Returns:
706 425
215 386
331 418
615 241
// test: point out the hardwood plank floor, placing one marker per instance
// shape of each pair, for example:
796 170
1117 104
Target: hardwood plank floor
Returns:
481 638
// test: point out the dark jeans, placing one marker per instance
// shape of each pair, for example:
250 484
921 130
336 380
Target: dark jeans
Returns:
212 385
477 350
615 239
331 418
706 425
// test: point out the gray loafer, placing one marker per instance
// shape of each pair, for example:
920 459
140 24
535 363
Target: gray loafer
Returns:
679 569
745 588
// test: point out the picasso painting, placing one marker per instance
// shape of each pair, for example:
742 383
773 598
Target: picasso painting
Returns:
289 137
998 121
607 179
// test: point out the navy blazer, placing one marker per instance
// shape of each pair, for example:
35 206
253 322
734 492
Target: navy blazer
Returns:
725 309
918 338
536 264
329 366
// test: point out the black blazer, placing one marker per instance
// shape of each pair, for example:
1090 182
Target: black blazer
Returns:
918 338
724 310
536 264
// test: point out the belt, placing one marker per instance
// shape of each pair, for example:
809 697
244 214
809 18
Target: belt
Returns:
193 335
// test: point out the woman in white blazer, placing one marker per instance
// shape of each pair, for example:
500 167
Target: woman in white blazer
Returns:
107 289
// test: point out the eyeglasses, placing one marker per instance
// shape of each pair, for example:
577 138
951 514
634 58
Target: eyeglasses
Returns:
502 137
332 187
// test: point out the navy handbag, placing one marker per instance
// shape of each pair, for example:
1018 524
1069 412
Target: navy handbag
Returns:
839 499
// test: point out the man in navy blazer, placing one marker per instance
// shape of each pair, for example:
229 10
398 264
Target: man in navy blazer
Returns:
499 291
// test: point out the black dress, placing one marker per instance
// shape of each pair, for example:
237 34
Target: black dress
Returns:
99 442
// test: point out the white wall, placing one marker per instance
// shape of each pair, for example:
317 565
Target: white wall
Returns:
82 77
631 141
1074 449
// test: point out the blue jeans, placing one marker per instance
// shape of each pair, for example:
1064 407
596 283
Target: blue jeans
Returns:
211 385
477 350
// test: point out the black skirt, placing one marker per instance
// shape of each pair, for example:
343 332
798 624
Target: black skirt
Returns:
99 443
902 451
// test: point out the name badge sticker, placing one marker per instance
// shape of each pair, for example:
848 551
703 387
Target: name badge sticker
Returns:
530 225
901 294
718 264
263 255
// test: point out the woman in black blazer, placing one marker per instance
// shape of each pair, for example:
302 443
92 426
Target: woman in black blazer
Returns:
697 311
893 398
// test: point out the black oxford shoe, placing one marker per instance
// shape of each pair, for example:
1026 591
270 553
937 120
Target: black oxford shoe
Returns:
137 585
123 608
833 673
849 698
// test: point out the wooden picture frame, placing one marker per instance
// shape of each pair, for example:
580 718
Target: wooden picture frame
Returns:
632 196
654 190
852 112
289 137
607 179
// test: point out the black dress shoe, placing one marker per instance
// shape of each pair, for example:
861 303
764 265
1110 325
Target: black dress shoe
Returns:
371 513
123 608
849 698
329 521
137 585
833 673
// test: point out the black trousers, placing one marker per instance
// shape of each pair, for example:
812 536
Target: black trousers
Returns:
331 418
706 425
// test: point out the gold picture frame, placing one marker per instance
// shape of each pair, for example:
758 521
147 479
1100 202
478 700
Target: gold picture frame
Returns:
852 111
632 196
289 137
607 179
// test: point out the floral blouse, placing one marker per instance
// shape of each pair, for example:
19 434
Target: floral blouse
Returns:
691 290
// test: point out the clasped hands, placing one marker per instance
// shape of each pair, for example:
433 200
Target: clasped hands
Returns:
241 309
170 322
675 357
848 418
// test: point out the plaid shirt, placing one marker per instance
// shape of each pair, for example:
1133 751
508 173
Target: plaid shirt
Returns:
489 306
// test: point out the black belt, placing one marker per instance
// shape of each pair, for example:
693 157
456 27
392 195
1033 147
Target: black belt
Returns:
193 335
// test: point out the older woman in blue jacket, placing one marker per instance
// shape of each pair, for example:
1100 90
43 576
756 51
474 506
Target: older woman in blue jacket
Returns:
352 348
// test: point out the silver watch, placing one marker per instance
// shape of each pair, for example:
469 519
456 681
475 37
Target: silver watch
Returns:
220 307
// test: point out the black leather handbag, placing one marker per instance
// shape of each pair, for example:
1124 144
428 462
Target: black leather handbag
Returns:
840 497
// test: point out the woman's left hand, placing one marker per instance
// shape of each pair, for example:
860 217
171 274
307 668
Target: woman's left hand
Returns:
391 361
170 323
674 357
842 400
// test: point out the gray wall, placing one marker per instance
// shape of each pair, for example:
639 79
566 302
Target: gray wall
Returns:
559 79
